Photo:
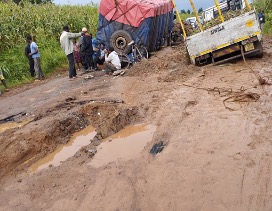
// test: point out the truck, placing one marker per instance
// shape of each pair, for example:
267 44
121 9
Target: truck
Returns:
225 6
147 23
231 39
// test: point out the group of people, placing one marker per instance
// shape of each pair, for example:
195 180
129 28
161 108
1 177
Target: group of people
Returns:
82 52
86 53
33 55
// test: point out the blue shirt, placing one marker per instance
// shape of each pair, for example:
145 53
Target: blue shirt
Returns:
33 48
102 53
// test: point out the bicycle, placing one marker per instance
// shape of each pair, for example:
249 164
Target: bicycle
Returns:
137 52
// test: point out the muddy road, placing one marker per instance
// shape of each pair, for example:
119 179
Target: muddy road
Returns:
85 144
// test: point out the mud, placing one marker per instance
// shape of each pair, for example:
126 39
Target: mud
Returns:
65 151
214 158
11 125
55 126
124 145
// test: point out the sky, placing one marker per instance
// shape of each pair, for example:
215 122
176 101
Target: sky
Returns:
181 4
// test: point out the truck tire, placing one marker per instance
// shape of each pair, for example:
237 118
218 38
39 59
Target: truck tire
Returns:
120 40
258 45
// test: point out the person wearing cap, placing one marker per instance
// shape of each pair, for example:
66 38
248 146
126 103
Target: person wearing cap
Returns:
66 42
87 49
82 54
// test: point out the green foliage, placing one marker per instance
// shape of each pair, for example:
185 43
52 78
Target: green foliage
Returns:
266 6
185 16
189 11
44 22
200 10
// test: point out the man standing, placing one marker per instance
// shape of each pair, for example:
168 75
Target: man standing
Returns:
37 58
261 19
82 55
30 59
87 48
66 42
112 61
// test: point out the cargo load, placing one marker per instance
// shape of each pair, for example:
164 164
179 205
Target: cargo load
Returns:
147 22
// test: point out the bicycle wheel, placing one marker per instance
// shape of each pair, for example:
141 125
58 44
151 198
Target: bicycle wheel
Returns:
124 59
141 53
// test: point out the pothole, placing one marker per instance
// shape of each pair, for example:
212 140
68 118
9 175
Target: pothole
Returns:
11 125
65 151
124 145
27 145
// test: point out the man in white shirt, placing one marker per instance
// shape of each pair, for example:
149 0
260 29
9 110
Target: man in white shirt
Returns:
112 61
66 41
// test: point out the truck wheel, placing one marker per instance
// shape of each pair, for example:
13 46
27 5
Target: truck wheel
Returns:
120 40
258 45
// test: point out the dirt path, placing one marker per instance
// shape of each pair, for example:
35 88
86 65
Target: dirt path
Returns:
214 159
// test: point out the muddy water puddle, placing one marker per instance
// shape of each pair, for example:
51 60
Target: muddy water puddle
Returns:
65 151
127 144
11 125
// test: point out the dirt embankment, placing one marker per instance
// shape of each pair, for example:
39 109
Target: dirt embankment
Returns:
217 146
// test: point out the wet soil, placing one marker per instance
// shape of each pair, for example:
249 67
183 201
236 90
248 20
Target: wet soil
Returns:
217 140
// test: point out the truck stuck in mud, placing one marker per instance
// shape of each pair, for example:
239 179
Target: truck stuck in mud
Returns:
234 38
227 40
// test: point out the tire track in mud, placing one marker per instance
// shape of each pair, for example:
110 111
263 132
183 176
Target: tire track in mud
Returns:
259 196
258 180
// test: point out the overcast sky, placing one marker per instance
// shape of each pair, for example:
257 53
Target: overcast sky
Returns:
181 4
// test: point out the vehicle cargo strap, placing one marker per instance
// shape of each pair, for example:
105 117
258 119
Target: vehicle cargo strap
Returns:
261 80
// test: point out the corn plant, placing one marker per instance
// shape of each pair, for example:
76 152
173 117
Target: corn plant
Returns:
44 22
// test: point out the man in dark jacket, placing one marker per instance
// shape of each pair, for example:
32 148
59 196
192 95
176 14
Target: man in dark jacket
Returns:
87 48
30 59
261 19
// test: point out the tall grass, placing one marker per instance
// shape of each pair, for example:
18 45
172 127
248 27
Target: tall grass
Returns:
44 22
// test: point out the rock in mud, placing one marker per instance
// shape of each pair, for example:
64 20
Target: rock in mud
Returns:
157 148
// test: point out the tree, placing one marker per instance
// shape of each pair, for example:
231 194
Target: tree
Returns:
189 11
200 10
182 11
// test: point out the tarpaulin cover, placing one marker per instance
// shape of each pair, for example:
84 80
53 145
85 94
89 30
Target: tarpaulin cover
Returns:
133 12
148 22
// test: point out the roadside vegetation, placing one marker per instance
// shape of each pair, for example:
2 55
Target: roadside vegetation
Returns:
44 22
266 6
